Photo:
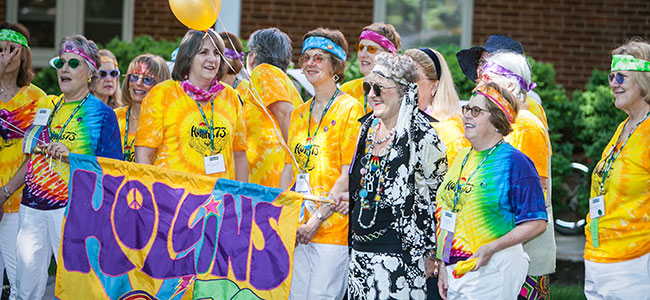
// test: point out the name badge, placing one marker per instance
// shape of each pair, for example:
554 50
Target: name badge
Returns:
214 164
448 221
42 116
597 207
302 183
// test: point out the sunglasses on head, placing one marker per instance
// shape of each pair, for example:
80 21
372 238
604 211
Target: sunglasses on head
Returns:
317 57
113 73
73 63
148 81
476 111
620 78
371 49
375 88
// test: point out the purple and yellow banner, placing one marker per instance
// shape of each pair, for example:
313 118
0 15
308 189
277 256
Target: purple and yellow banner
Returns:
140 232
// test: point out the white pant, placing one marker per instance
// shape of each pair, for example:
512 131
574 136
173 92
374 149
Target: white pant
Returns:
501 278
8 236
320 271
622 280
39 236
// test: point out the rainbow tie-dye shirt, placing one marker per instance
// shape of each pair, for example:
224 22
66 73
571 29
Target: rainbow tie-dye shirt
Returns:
354 88
331 148
129 148
18 111
171 122
624 229
503 193
265 152
93 130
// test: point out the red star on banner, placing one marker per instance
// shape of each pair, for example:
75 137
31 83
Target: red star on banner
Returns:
213 206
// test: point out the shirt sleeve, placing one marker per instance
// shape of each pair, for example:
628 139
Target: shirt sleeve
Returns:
526 195
150 122
239 142
271 86
292 131
534 144
109 140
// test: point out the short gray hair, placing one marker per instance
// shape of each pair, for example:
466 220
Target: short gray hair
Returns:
516 63
271 46
396 67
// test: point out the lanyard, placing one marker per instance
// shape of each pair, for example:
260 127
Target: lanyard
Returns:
58 105
127 155
311 108
211 124
460 173
365 103
609 161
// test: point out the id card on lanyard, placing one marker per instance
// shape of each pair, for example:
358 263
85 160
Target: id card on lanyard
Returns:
213 163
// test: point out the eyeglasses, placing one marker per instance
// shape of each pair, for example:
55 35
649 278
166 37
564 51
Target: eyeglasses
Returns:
148 81
113 73
317 57
620 78
371 49
59 63
375 88
476 111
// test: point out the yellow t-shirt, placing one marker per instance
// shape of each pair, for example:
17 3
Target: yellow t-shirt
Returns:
452 134
129 148
625 227
332 147
19 111
242 88
537 110
354 88
171 122
265 152
530 137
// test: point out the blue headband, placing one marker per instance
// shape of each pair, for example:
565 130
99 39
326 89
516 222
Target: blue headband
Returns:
324 44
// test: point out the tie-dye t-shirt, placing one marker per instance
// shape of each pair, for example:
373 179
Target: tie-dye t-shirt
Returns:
502 194
332 147
537 110
18 111
354 88
242 89
451 134
265 152
171 122
93 130
128 150
624 229
530 137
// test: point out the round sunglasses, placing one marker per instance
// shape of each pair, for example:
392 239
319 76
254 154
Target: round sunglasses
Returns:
113 73
620 78
375 88
59 63
475 110
318 58
148 81
371 49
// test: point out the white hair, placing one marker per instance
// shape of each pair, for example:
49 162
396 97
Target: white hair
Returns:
516 63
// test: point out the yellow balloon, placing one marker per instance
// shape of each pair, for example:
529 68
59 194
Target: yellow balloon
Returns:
196 14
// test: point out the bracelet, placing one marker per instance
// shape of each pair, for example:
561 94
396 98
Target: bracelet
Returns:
7 193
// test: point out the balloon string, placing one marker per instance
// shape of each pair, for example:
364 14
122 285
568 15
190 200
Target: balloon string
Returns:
17 130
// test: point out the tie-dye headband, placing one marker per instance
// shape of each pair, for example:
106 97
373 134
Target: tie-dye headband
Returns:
13 36
69 48
501 70
108 59
497 98
629 63
379 39
325 44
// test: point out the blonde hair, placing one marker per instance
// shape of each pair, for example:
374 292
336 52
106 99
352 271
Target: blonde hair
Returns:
156 66
115 100
640 49
446 102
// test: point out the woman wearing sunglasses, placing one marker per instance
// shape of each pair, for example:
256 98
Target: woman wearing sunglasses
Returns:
397 167
193 123
77 122
489 204
107 86
321 138
617 253
374 39
144 72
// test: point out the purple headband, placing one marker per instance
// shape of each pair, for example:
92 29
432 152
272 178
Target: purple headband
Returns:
232 54
68 47
501 70
379 39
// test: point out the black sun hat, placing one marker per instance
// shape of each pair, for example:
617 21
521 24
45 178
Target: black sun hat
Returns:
468 58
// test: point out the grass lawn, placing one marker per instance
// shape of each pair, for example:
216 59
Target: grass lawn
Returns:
567 292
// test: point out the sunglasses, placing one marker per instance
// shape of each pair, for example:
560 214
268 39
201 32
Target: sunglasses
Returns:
73 63
113 73
148 81
318 58
371 49
476 111
620 78
375 88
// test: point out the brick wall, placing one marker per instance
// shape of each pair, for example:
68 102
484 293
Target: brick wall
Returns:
155 18
3 11
296 17
575 35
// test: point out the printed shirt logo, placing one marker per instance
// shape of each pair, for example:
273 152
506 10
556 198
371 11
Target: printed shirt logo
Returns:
306 155
200 138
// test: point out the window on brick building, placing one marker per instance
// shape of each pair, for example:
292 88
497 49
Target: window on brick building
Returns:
103 20
39 17
428 22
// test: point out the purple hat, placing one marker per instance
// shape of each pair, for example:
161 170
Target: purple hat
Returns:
468 58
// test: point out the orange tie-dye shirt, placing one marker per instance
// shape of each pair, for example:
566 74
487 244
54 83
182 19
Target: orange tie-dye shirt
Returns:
452 134
242 88
624 229
537 110
354 88
332 147
530 137
171 122
265 152
19 111
128 150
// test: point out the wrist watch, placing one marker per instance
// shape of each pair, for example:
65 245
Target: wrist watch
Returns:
6 192
319 216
